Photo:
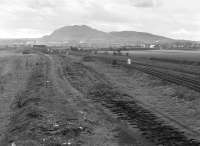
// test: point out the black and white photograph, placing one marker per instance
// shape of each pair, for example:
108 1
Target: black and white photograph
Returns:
100 73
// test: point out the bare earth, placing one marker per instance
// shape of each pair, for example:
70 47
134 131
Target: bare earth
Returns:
165 99
40 106
48 100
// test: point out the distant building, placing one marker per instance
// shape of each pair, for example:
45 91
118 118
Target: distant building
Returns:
39 46
152 46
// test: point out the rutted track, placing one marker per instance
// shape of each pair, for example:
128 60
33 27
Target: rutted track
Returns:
101 91
40 115
167 68
152 128
170 77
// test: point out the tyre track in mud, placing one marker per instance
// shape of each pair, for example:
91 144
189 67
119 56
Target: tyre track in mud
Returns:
40 116
101 91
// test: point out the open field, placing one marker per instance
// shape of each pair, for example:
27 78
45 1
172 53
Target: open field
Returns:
54 99
177 55
170 54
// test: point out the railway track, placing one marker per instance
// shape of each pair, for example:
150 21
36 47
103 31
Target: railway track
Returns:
167 68
147 122
189 82
152 127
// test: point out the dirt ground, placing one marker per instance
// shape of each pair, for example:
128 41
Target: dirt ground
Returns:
40 106
165 99
48 100
13 75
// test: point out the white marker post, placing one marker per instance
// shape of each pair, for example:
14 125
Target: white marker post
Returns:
13 144
129 61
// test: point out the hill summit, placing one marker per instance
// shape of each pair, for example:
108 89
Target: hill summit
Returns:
86 34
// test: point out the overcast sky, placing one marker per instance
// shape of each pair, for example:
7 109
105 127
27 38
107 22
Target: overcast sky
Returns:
35 18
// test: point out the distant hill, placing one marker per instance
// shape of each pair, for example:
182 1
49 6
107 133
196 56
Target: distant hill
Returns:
86 34
76 33
133 36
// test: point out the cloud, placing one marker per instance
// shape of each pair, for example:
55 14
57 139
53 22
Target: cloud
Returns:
188 34
30 18
146 3
181 31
